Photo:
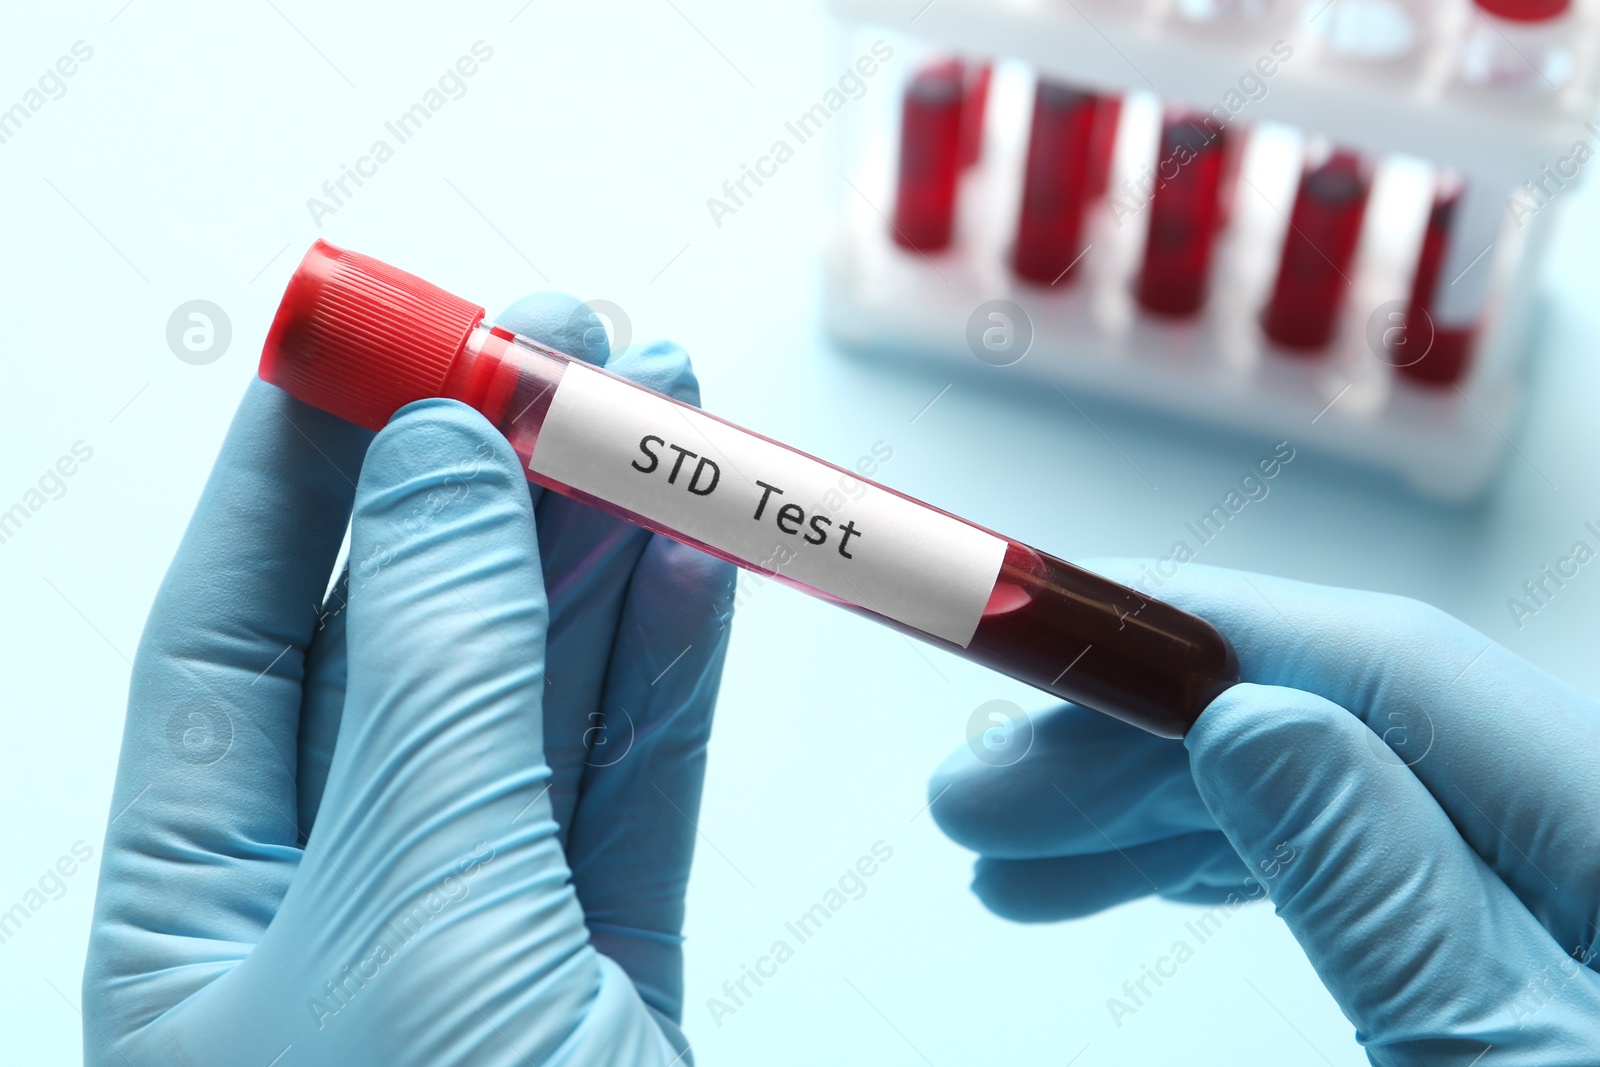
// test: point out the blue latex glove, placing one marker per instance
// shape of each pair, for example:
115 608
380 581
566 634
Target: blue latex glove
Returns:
1421 805
447 816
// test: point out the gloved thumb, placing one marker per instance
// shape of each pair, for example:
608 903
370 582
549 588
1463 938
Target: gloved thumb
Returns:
1424 948
447 615
438 779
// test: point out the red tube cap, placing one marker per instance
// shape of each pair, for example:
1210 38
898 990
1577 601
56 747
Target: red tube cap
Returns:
359 339
1525 10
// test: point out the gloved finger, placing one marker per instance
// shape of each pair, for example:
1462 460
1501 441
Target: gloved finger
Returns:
1422 946
1471 719
204 804
633 831
434 836
446 622
1085 784
1070 887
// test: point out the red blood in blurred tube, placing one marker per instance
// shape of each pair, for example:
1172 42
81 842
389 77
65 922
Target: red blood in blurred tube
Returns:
1103 146
1053 185
1434 344
1446 361
1525 10
973 105
1313 275
930 147
1183 216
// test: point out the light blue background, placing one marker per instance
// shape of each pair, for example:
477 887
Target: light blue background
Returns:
177 166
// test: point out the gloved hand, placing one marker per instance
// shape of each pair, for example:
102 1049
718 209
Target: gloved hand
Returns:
446 816
1421 805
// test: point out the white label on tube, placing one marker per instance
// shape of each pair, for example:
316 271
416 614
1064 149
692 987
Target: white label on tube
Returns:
767 505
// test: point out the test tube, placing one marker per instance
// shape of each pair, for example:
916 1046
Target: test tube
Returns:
1103 146
930 157
1433 346
1519 45
1318 250
974 101
1054 183
360 339
1183 216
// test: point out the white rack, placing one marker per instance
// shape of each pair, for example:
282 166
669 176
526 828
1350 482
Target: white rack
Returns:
1217 369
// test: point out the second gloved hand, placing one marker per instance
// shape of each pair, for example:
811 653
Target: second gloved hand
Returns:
1421 805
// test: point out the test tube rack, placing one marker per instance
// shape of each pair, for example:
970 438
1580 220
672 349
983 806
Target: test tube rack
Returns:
1216 370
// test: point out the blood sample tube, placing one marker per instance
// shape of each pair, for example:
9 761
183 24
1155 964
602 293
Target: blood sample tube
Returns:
1103 146
930 158
1519 45
1183 216
973 104
1318 250
360 339
1433 345
1053 187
